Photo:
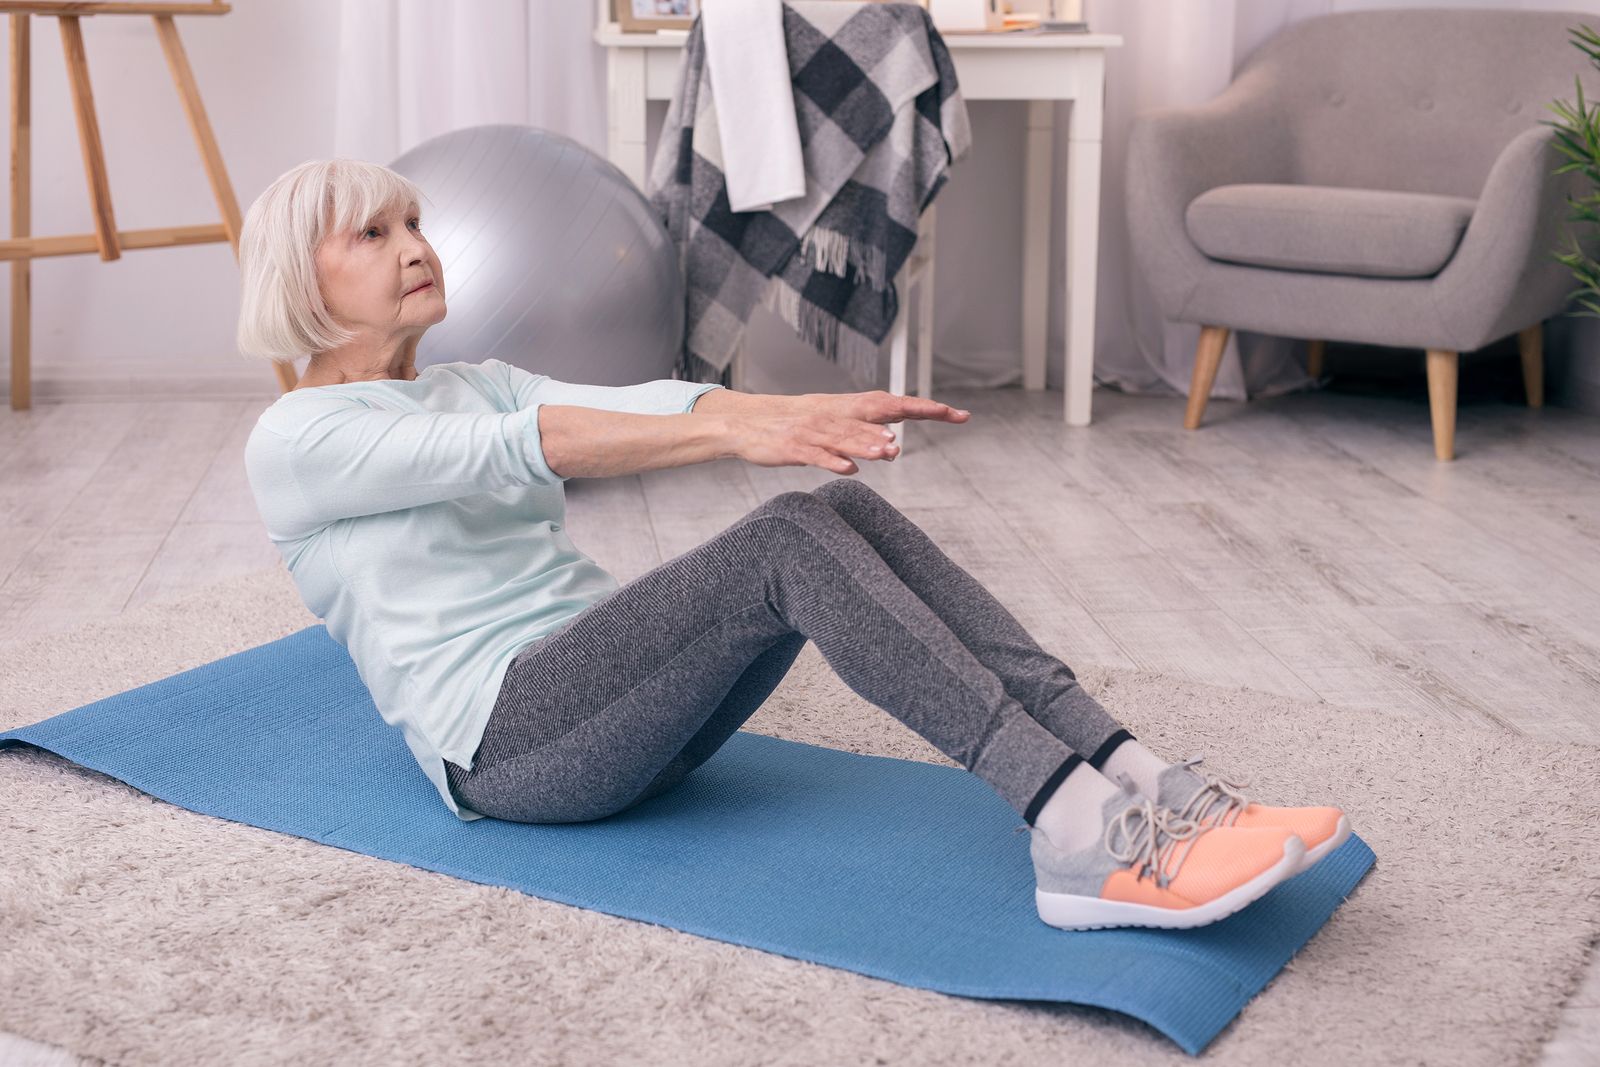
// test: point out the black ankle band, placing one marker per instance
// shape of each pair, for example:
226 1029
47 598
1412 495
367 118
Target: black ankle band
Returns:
1049 787
1103 753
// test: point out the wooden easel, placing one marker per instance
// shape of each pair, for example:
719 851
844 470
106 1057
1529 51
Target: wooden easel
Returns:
107 240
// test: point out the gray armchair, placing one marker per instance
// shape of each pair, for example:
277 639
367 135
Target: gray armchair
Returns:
1370 176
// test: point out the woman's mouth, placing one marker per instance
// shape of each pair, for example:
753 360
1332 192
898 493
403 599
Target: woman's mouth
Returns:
420 288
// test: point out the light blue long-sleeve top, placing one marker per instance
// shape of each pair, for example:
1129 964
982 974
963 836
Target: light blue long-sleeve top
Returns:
421 522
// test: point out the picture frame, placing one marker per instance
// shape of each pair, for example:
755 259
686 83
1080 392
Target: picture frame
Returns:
645 16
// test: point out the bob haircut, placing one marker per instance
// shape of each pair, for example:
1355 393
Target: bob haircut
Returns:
282 315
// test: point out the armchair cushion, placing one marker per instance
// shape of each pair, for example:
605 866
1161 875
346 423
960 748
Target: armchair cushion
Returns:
1374 233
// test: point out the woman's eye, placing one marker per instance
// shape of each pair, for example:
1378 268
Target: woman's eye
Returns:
374 229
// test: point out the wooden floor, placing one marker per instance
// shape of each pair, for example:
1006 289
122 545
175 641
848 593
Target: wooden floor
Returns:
1307 545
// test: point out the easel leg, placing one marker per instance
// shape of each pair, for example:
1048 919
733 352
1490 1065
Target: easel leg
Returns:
210 153
94 157
21 216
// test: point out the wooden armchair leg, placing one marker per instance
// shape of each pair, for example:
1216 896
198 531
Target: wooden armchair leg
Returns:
1207 357
1442 366
1531 344
1314 352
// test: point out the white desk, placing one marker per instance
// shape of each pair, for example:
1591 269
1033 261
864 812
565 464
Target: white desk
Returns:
1041 69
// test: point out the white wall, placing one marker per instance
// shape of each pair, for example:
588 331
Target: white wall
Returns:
164 319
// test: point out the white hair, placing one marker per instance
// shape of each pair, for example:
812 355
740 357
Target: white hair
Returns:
282 314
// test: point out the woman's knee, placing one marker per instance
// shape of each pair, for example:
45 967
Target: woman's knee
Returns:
830 496
836 489
849 496
790 502
801 510
803 521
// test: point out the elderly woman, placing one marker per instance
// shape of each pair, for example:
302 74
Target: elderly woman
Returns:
422 517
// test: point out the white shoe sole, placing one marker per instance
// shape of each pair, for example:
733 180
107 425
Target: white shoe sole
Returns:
1071 911
1341 834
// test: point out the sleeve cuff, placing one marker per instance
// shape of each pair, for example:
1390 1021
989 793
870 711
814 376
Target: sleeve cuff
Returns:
705 387
533 448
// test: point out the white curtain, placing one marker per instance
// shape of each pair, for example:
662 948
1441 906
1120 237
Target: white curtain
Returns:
411 69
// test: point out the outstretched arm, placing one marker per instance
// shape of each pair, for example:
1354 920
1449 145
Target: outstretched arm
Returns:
730 401
663 396
350 460
876 405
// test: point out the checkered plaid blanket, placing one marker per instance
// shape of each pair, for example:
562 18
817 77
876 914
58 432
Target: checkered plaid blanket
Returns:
880 118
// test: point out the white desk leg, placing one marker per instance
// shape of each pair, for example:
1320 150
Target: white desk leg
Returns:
1036 169
898 350
738 369
1083 235
625 111
925 308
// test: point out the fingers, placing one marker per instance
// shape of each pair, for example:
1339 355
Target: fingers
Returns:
921 407
878 443
937 410
853 437
830 462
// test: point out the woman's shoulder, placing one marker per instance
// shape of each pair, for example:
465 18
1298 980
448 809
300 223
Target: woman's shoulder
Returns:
490 371
441 387
303 401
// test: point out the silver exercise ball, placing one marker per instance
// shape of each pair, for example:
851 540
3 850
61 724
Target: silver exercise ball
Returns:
553 259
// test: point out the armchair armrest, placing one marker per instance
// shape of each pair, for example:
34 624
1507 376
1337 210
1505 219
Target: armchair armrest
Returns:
1175 154
1503 276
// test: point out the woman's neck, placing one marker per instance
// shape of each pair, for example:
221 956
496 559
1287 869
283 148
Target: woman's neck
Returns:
337 366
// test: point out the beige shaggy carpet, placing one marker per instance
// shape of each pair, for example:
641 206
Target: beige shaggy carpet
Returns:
138 932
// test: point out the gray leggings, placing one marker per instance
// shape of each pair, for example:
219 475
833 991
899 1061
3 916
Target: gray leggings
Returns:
640 688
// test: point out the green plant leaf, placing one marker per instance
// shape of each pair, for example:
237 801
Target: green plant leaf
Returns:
1577 137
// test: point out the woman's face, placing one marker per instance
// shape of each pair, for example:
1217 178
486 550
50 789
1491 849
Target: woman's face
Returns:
369 278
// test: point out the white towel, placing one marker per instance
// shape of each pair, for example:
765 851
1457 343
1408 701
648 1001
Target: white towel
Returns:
748 63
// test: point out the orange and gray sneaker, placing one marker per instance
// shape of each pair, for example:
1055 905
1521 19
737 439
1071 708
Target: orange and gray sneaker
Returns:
1213 801
1151 868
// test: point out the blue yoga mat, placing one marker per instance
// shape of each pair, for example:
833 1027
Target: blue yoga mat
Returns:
894 868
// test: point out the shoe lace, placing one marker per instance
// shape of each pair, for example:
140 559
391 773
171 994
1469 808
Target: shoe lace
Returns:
1152 834
1217 790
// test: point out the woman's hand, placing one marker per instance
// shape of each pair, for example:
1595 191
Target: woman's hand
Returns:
826 429
877 406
